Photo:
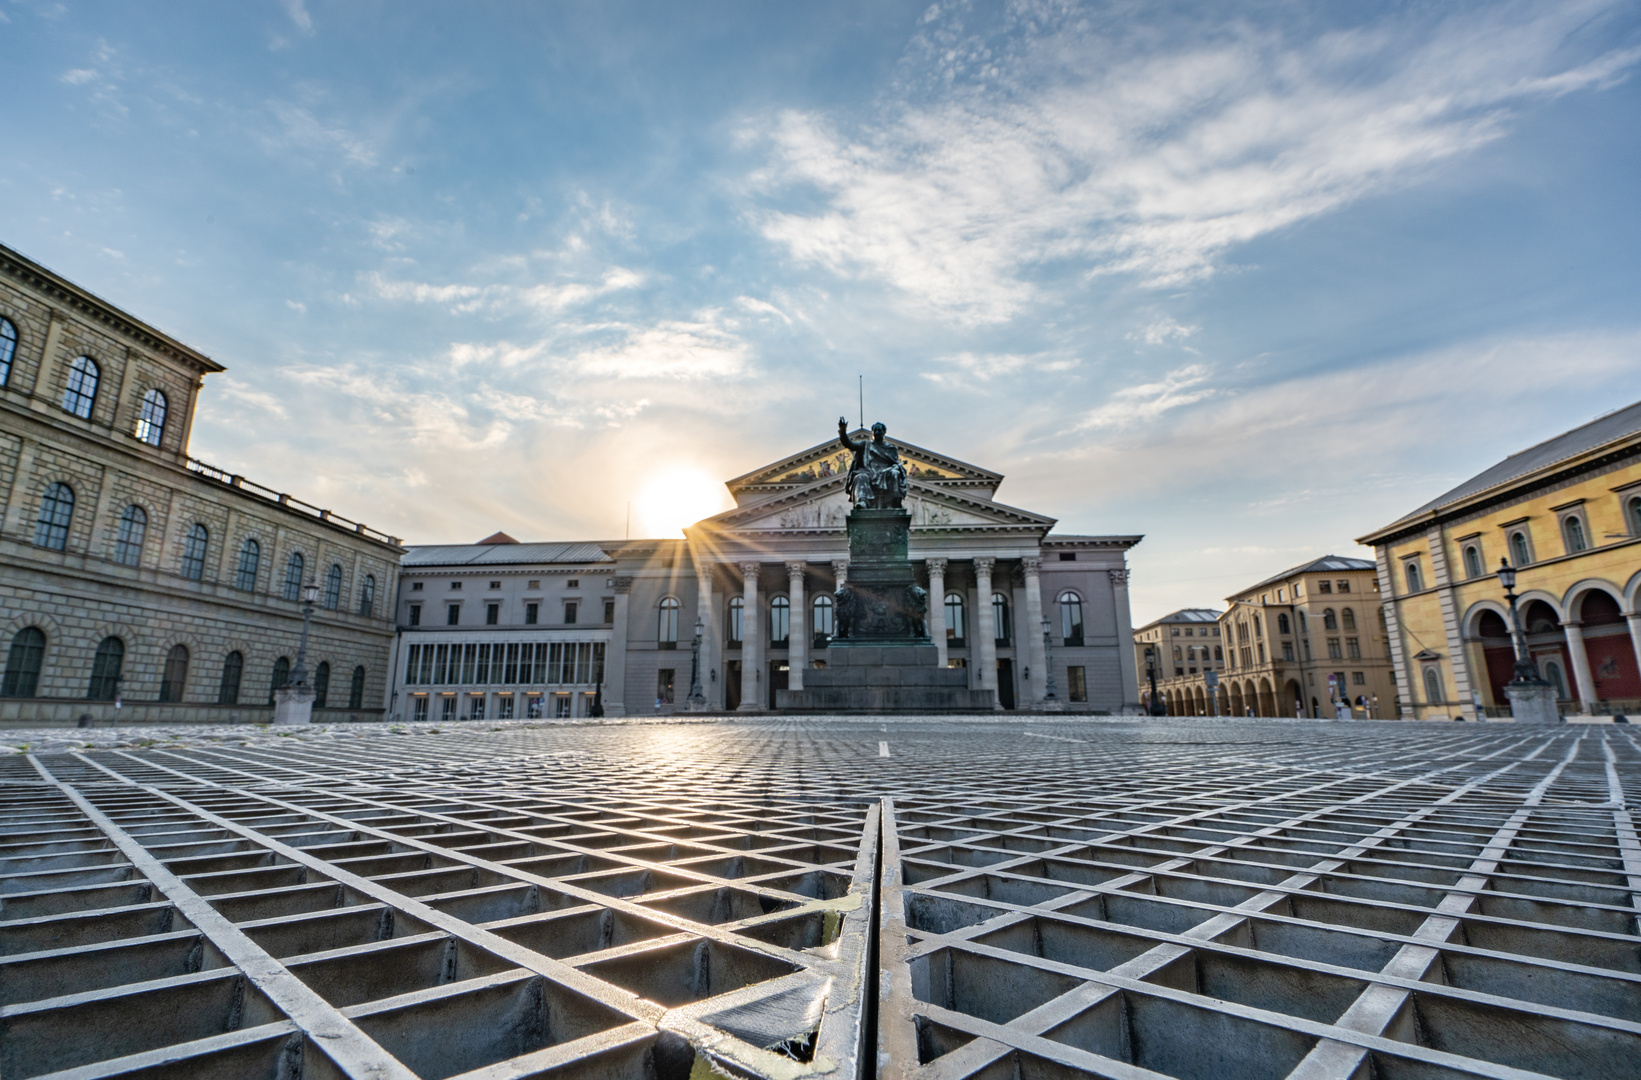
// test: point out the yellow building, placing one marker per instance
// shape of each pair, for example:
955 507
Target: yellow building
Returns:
1567 514
1184 647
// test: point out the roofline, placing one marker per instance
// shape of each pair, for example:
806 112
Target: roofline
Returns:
745 479
53 284
1302 568
1504 490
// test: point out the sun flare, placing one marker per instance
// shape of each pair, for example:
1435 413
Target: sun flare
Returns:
675 497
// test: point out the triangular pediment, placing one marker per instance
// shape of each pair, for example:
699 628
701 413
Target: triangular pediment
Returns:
823 506
828 460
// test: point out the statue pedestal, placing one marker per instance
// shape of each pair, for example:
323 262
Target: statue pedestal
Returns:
882 660
1533 703
293 704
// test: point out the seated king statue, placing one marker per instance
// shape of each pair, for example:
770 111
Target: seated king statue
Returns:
877 479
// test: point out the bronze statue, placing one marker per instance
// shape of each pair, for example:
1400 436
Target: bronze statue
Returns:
877 479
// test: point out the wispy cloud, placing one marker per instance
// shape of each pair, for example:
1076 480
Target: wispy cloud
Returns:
548 298
1068 148
1164 330
298 12
692 350
1147 402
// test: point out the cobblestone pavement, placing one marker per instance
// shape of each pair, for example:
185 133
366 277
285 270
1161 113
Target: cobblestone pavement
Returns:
792 898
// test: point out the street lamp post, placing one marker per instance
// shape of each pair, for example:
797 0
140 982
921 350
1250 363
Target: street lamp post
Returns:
1051 700
697 701
293 702
1532 699
1155 706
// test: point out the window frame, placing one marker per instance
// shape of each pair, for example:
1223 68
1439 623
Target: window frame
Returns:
1071 618
1412 575
781 622
1002 620
232 679
133 533
1475 566
174 676
151 417
8 349
75 396
735 621
25 660
296 568
822 626
1521 547
1575 534
956 624
333 587
250 563
666 621
1435 691
107 669
195 547
367 597
50 532
356 688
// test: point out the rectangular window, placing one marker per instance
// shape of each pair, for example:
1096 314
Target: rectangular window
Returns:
526 661
1179 673
1324 586
475 707
504 707
1333 649
1262 652
453 615
1068 556
427 666
535 583
583 662
413 666
415 614
510 672
539 674
532 613
598 661
1076 684
569 612
441 664
561 706
1353 648
492 614
573 583
495 584
447 709
418 709
1287 650
481 671
456 585
1358 678
555 663
609 611
1187 631
1344 586
469 655
663 686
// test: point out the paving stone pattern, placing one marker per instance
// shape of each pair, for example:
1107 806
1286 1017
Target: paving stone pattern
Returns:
803 898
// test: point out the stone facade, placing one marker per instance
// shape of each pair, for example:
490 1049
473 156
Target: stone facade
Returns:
1183 647
759 579
76 578
1567 514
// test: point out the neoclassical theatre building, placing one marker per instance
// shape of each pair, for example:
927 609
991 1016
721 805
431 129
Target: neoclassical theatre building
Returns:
135 581
501 629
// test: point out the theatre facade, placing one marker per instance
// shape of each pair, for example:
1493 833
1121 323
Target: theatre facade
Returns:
501 629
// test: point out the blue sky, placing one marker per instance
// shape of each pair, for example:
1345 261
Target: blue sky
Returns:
1248 279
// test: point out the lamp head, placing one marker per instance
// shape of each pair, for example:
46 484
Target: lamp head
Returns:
1507 575
310 592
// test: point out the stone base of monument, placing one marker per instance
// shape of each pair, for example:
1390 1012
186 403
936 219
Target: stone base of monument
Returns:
884 678
293 704
1533 703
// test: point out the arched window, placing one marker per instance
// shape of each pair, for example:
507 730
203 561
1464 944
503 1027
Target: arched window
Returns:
8 349
1282 625
151 424
293 577
321 684
1635 514
1071 618
737 609
193 552
1219 652
56 510
23 663
1350 618
667 631
1433 686
233 669
1179 657
128 543
105 670
1000 618
1473 567
81 393
1330 621
1304 624
356 689
780 621
1259 627
333 588
954 618
175 679
367 596
250 557
1415 580
1518 549
1573 529
281 676
822 620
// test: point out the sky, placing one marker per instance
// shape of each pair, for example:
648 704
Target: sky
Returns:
1248 278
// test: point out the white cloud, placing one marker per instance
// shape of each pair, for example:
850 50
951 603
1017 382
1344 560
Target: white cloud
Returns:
299 129
298 12
546 298
1149 401
78 76
1121 157
1164 330
700 349
762 307
297 306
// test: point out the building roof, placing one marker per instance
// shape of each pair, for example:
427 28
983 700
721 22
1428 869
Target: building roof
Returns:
498 538
1616 425
1188 615
502 554
1326 562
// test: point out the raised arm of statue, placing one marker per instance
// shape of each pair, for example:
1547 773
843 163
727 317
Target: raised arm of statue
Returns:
843 437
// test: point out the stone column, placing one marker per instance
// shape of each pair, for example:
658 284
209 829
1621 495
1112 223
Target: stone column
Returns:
1031 635
1128 674
1580 665
615 655
937 609
1634 621
797 631
986 626
840 573
752 644
707 608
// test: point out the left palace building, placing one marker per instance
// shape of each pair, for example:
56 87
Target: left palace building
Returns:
136 582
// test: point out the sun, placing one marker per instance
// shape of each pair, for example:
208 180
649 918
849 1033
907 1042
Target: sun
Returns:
675 497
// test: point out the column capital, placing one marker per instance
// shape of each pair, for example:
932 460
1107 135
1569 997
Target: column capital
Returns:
840 571
1118 577
621 584
983 564
936 566
750 570
1032 563
796 570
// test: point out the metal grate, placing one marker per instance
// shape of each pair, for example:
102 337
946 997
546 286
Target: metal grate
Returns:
1180 899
